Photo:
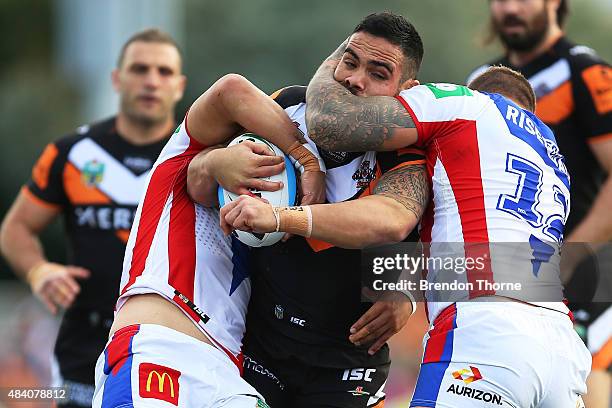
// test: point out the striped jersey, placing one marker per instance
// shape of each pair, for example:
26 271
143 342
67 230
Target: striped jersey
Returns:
500 195
176 249
573 86
96 178
311 281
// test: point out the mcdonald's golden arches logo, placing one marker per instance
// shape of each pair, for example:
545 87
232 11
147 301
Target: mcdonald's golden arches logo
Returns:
159 382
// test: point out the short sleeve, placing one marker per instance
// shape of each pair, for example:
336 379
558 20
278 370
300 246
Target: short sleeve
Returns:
45 185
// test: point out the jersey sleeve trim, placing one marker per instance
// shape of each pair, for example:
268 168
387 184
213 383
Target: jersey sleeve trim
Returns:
419 127
196 144
37 200
600 138
42 169
408 163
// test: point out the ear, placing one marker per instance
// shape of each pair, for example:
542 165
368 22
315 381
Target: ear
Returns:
553 6
181 88
115 79
409 83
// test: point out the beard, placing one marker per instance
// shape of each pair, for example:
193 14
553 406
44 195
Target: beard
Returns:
534 33
143 119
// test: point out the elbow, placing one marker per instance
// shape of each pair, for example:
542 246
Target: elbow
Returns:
4 237
396 230
229 86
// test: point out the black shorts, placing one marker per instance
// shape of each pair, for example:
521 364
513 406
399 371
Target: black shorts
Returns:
81 339
590 295
290 382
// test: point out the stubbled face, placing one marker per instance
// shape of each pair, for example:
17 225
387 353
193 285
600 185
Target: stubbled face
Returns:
520 24
149 82
370 66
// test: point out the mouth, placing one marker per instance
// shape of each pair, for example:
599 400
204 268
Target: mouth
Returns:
513 24
148 99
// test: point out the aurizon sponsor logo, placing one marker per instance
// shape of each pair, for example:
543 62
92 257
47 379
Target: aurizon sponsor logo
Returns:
468 376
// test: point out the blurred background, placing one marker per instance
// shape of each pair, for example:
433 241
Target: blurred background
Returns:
57 56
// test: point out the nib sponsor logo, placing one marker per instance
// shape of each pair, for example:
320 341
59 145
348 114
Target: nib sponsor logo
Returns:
358 391
468 377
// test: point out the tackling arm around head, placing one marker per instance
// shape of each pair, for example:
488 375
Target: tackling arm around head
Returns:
337 120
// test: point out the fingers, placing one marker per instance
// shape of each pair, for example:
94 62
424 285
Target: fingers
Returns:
48 304
78 272
380 342
226 226
60 291
371 331
263 185
312 187
268 170
367 317
269 160
259 148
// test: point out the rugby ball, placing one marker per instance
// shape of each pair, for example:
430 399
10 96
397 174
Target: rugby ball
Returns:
281 198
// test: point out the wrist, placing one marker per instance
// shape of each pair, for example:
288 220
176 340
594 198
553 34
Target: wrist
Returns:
305 158
34 272
294 220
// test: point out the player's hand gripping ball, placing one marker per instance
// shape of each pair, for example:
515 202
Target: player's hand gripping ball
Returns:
284 197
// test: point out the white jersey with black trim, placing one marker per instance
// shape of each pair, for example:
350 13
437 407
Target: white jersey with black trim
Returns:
177 250
500 196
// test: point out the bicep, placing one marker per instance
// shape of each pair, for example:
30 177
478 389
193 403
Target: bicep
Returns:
28 213
603 152
408 186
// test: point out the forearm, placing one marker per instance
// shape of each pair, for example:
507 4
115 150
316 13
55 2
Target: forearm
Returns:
373 220
596 227
201 184
337 120
20 247
232 104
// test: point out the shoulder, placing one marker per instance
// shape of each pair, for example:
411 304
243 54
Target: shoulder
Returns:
482 68
580 57
290 96
93 130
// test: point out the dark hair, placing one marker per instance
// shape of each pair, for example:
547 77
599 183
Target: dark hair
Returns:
562 12
507 82
398 31
149 35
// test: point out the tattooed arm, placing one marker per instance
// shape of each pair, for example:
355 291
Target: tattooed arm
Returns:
337 120
387 216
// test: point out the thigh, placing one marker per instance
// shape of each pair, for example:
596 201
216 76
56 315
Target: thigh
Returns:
153 366
260 374
482 356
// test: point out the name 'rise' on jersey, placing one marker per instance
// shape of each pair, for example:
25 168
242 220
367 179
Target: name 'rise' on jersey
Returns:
500 194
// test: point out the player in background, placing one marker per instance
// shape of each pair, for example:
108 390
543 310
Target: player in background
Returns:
476 145
573 87
297 352
180 317
93 179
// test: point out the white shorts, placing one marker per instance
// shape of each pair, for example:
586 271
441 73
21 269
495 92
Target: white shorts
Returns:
153 366
488 354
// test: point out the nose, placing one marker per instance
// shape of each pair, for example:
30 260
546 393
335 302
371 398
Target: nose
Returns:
510 6
356 82
152 79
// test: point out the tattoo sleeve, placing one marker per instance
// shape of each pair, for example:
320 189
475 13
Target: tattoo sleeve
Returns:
337 120
408 186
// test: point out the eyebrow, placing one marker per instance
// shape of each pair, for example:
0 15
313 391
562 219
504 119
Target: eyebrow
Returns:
377 63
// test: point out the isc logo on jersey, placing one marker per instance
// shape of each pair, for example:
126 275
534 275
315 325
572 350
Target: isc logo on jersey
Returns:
281 198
